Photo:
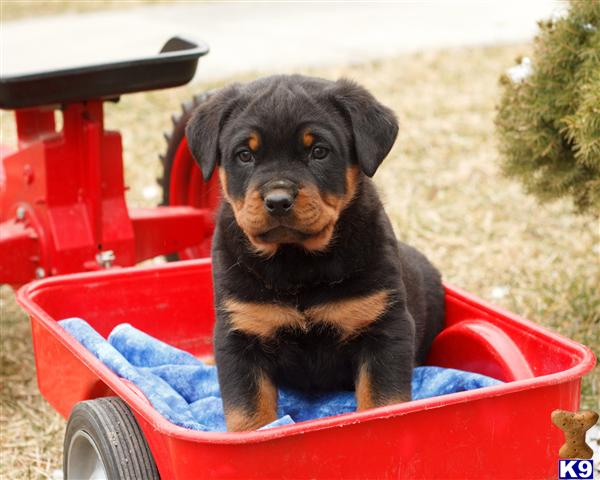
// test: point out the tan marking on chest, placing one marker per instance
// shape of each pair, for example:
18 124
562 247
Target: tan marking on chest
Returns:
353 314
348 315
262 319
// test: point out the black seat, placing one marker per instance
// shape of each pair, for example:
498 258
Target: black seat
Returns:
175 65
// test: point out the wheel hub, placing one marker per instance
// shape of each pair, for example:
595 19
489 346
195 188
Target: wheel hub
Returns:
85 462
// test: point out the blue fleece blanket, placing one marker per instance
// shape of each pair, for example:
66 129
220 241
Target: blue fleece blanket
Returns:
186 392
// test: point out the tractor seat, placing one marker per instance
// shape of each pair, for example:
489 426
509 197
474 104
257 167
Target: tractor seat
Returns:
175 65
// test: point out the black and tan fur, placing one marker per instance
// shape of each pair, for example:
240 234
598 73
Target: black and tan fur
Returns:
321 296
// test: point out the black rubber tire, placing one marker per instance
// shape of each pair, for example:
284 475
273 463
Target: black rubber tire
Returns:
173 139
116 436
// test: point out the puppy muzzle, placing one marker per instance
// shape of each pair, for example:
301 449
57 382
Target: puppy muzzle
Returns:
279 197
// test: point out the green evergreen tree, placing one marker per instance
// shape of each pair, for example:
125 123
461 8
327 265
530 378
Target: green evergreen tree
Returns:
548 119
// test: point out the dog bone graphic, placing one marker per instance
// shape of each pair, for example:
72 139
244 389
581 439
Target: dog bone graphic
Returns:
574 425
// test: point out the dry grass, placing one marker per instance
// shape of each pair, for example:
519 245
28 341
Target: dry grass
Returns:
443 192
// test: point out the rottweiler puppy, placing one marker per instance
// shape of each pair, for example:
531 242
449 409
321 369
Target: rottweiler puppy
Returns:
312 289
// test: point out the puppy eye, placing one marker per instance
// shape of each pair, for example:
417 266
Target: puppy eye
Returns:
319 153
245 156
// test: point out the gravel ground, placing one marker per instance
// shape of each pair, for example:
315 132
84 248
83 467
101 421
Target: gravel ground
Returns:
442 190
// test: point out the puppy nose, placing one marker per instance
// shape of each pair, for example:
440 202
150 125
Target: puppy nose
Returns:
279 201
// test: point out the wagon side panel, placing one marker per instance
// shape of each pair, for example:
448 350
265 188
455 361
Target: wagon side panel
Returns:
63 378
508 436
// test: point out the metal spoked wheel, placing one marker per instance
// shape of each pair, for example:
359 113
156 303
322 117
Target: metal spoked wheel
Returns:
104 441
182 180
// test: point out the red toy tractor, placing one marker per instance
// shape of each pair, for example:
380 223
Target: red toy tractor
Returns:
62 195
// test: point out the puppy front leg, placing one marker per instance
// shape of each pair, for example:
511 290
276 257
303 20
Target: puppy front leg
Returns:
384 373
252 408
249 395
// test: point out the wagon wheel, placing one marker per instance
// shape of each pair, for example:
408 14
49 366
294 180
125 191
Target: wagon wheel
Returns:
182 180
104 441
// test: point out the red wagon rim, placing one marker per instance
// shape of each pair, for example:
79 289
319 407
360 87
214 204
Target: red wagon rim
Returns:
27 294
187 187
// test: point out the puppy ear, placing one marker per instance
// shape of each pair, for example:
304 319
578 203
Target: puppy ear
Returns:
374 126
205 125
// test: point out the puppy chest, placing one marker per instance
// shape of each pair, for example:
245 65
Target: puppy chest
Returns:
314 361
346 316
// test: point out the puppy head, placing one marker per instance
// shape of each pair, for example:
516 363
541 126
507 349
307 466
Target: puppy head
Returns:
290 151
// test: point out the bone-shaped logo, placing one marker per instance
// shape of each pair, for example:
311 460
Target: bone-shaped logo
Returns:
574 425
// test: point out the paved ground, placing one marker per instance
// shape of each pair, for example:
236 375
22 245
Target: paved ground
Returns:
268 36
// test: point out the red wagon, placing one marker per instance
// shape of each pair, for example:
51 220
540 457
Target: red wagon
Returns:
63 211
496 432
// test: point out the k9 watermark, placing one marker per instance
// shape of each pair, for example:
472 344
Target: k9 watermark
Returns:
575 470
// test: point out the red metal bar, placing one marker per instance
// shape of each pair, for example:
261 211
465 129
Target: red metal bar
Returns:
19 252
164 230
92 140
32 124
